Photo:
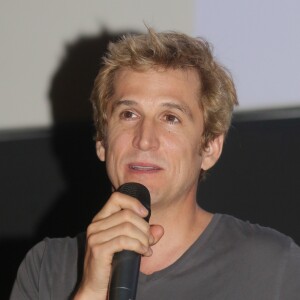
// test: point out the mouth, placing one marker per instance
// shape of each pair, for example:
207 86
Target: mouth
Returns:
144 167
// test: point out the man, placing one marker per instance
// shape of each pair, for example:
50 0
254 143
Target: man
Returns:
162 107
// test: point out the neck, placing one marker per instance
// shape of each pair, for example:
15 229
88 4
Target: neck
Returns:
189 220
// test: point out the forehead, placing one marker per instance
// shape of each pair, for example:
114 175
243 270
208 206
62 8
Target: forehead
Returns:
177 84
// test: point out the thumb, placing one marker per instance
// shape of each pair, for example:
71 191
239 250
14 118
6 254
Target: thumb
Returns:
157 231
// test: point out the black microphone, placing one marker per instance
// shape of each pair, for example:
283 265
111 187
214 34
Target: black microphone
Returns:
126 264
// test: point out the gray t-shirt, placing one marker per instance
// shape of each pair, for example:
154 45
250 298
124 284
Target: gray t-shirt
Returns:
232 260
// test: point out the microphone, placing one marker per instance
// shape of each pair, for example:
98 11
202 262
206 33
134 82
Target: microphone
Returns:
126 264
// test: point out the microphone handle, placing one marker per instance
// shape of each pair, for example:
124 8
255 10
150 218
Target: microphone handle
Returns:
126 264
125 283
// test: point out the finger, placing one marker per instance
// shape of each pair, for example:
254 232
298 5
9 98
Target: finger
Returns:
123 216
119 201
117 244
156 233
127 216
125 229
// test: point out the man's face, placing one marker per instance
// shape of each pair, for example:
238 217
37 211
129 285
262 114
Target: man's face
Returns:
154 133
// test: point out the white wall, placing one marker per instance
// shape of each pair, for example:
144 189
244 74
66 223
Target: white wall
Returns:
34 34
259 40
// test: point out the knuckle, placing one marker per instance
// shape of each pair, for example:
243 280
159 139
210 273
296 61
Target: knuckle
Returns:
127 214
89 230
91 241
127 227
125 243
121 242
94 227
117 198
96 251
113 198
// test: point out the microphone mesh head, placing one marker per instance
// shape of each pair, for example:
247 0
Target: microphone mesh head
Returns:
137 191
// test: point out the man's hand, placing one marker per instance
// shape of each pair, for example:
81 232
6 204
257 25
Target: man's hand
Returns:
118 226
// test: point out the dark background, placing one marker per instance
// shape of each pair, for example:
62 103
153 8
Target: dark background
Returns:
52 184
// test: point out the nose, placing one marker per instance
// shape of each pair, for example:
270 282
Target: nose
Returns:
145 136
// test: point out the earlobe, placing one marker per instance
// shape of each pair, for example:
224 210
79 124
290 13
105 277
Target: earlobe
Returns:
100 149
212 152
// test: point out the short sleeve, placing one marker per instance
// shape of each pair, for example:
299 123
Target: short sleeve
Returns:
26 285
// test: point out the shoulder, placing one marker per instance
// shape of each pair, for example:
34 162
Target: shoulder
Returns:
256 239
62 256
46 265
271 257
55 249
62 248
251 232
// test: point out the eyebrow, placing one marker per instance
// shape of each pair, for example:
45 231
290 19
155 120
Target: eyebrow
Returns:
123 102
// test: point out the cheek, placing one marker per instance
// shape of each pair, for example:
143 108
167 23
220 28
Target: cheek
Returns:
185 144
115 130
182 153
119 139
117 143
190 158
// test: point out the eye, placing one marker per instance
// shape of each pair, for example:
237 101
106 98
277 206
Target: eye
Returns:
128 115
171 119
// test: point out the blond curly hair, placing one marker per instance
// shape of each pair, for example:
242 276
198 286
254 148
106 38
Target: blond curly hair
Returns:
168 50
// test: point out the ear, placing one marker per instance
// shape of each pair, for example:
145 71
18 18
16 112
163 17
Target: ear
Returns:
212 152
100 149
